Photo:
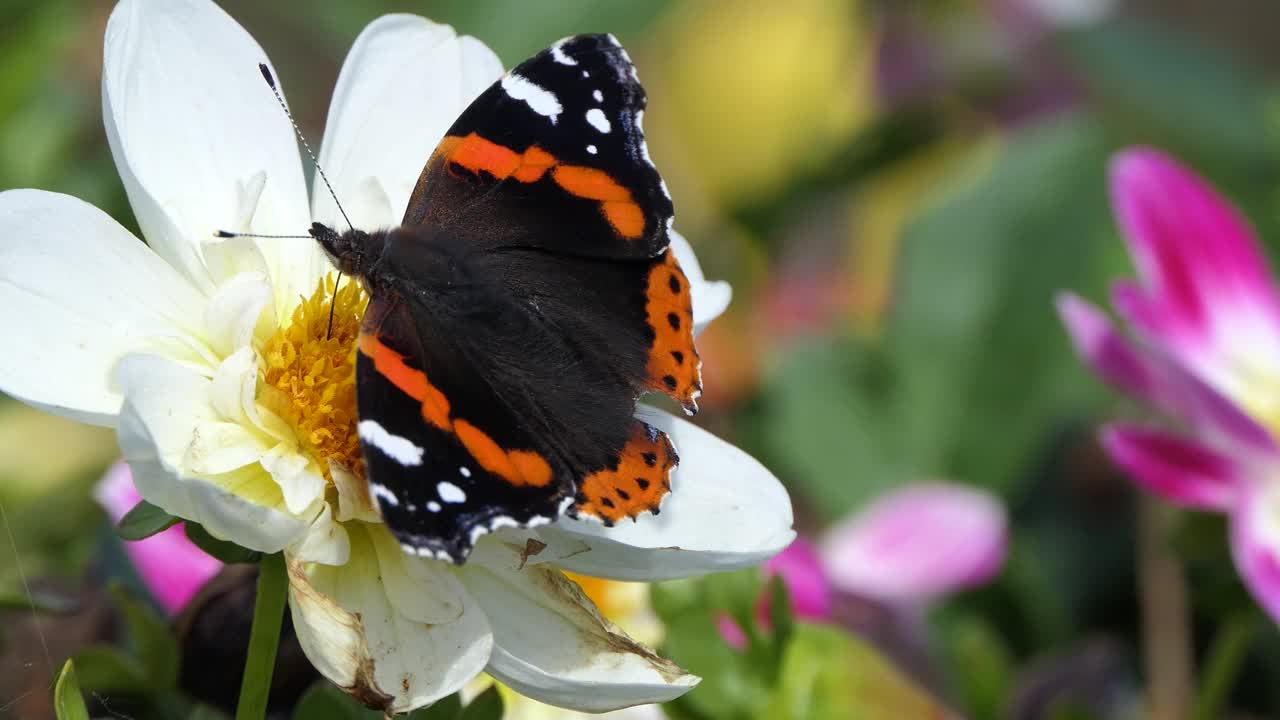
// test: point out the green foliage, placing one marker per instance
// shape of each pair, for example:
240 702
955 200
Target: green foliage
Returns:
787 670
143 521
68 703
326 702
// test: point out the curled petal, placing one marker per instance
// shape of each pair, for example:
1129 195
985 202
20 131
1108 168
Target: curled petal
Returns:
164 404
1255 546
552 644
1177 469
199 140
725 511
79 292
404 82
710 297
392 651
169 564
917 543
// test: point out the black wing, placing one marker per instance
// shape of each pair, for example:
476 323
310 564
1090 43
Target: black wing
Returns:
552 156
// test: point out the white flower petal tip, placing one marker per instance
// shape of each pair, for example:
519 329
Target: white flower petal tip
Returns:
165 404
725 511
710 297
917 543
200 141
79 292
429 74
552 644
393 648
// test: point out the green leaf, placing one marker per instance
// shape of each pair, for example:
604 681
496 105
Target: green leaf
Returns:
323 701
487 706
224 550
106 669
205 712
67 700
143 521
446 708
150 639
780 613
830 674
983 665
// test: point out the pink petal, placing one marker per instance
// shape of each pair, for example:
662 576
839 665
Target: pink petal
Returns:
170 565
917 543
1105 350
1155 379
1174 468
1255 546
801 571
730 632
1201 265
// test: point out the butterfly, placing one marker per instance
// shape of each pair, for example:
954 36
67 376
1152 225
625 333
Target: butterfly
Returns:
526 301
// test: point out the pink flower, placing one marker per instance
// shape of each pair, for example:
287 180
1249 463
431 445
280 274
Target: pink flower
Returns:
170 565
1206 318
917 543
801 571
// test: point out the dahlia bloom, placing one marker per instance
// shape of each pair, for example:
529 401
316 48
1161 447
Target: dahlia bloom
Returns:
235 406
1205 320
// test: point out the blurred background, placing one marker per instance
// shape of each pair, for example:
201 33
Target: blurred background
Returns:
895 191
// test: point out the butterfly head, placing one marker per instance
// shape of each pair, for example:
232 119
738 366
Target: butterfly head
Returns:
353 252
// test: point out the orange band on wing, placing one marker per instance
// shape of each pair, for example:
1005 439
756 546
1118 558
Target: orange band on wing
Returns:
518 467
390 364
478 154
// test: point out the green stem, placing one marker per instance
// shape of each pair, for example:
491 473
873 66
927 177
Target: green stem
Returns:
1227 654
264 639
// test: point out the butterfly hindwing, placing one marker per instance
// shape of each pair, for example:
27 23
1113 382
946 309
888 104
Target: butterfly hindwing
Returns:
440 479
553 156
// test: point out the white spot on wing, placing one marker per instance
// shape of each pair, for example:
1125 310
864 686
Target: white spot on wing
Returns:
538 98
592 149
433 506
450 493
557 52
464 471
400 449
595 116
382 493
586 74
599 96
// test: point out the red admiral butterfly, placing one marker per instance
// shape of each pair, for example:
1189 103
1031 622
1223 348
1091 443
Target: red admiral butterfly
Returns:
525 303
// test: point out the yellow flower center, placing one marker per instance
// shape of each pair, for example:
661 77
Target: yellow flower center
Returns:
308 374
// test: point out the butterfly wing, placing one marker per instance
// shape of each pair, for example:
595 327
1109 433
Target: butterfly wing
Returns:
552 156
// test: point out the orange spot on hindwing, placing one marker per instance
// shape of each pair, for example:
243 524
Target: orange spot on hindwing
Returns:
636 483
674 366
478 154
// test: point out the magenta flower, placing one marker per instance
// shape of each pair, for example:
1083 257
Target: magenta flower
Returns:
806 580
917 543
170 565
1206 322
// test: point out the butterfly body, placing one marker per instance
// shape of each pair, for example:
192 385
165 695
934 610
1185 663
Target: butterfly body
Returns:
515 316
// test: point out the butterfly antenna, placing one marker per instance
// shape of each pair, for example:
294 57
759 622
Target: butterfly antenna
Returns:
271 82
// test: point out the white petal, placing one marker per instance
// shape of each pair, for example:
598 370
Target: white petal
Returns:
200 141
235 311
326 542
354 502
552 644
78 292
725 511
403 84
164 403
220 447
299 480
710 298
358 638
